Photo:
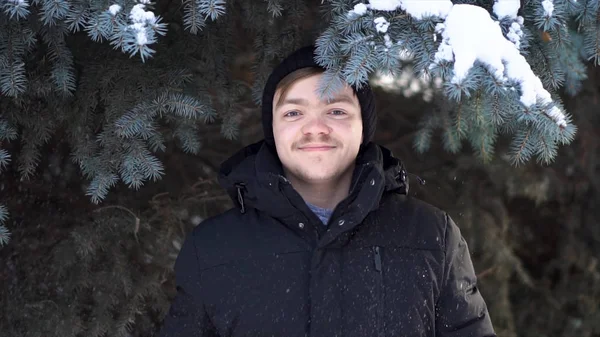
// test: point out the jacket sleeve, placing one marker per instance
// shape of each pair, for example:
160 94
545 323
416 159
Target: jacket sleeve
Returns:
461 310
187 316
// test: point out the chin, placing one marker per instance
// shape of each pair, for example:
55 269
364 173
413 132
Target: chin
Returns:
317 177
314 174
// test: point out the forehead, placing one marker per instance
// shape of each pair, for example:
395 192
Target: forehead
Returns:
307 88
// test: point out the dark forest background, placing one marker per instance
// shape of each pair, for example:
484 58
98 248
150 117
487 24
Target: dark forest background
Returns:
74 268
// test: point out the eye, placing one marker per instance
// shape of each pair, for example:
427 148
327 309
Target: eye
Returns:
338 112
292 113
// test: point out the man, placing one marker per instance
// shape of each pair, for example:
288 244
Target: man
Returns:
324 240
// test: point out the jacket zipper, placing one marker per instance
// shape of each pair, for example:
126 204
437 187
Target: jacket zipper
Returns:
380 289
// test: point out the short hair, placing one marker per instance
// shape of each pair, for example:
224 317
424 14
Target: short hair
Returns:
284 85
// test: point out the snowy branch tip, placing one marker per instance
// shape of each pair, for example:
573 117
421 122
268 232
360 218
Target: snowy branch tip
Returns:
469 34
486 44
141 20
416 8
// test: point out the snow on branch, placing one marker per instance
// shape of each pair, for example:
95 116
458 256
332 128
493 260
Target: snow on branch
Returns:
416 8
510 9
114 9
486 44
507 8
141 20
548 6
139 31
470 34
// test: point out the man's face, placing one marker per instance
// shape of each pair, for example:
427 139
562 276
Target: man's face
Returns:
316 140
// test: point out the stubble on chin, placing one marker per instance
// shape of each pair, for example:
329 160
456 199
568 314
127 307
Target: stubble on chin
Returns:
312 170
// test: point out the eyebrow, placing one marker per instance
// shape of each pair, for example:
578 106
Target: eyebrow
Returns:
295 101
304 102
341 99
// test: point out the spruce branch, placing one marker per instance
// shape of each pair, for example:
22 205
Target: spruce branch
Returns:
438 38
4 233
4 159
77 18
100 184
193 20
150 104
212 8
274 7
16 9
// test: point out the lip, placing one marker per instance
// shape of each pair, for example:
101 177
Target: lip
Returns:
317 148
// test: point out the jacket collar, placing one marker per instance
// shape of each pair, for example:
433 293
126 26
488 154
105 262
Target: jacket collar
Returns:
253 178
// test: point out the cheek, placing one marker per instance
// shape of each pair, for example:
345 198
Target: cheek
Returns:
285 133
349 128
286 129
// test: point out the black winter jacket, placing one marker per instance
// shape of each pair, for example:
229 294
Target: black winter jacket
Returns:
386 265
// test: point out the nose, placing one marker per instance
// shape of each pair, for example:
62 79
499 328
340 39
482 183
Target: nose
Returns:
316 125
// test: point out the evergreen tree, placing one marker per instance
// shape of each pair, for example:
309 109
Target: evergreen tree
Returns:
120 79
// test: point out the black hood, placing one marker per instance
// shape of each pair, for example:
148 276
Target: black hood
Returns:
254 178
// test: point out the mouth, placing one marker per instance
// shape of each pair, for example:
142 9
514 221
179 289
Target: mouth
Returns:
316 148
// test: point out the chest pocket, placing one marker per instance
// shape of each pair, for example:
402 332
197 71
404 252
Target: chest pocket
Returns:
390 290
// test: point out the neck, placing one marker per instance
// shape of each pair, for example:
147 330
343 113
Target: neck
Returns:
325 194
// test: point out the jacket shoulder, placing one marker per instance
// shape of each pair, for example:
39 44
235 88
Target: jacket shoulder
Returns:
418 208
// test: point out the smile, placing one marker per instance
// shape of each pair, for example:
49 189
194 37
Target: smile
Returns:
317 148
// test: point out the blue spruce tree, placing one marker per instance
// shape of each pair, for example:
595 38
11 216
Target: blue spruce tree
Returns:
121 79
